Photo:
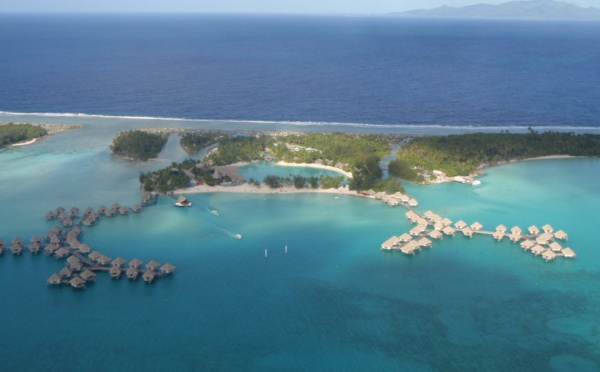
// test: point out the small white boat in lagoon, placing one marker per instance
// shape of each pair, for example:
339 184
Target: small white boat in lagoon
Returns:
215 212
238 236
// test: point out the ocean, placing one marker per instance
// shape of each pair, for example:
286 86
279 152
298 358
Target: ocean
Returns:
334 301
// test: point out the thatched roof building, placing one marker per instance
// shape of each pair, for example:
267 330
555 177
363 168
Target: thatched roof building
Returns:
537 250
55 279
167 268
476 226
104 260
413 203
84 248
61 252
555 247
468 232
115 206
74 212
36 239
501 228
149 276
72 259
50 215
16 249
135 263
34 248
59 210
101 209
131 273
65 272
424 242
390 243
516 230
124 210
88 275
77 282
548 255
545 238
533 230
136 208
67 222
548 228
448 230
152 265
568 253
115 272
17 240
460 225
498 235
94 255
118 262
435 234
76 266
561 235
50 248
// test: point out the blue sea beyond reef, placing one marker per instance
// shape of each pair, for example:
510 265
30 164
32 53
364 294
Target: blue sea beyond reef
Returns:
335 301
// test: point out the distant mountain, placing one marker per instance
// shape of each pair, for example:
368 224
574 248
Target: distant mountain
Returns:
534 10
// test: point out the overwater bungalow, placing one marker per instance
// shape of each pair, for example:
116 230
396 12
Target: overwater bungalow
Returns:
476 226
410 247
390 243
405 238
435 234
135 263
533 230
17 240
468 232
72 260
544 238
501 228
110 212
54 239
136 208
515 237
104 260
548 255
88 211
50 248
118 262
428 215
131 273
36 239
167 268
54 279
115 206
555 247
59 210
84 248
418 230
405 198
152 265
16 249
460 225
50 234
422 221
516 230
67 222
568 253
438 226
61 252
538 249
498 235
411 216
75 231
94 255
61 216
548 228
88 275
149 276
34 248
2 243
101 209
393 202
88 221
57 230
561 235
77 282
182 201
446 221
65 272
73 242
115 272
413 203
74 212
76 266
50 215
448 230
424 242
124 210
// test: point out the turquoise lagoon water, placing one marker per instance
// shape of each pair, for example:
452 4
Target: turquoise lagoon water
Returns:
335 301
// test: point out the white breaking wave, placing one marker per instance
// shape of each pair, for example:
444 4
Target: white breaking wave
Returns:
469 128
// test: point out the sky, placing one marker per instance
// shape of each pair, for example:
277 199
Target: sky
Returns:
243 6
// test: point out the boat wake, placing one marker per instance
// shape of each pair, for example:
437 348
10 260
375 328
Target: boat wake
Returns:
227 232
213 211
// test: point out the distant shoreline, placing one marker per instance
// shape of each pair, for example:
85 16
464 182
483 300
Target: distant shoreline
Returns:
51 129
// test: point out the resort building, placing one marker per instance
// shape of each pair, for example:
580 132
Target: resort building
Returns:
77 282
568 253
555 247
498 235
561 235
544 238
501 228
390 243
548 228
405 238
537 250
476 226
149 276
448 230
131 273
467 232
435 234
460 225
548 255
167 268
533 230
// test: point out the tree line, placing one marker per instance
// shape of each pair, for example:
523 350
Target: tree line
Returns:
14 133
138 145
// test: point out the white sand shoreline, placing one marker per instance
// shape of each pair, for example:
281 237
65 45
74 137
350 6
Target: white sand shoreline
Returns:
316 166
263 189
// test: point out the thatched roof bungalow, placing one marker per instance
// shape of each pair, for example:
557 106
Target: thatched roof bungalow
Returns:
115 206
55 279
167 268
405 237
498 235
135 263
36 239
413 203
438 225
555 247
136 208
435 234
131 273
561 235
115 272
104 260
448 230
88 211
152 265
76 266
460 225
446 221
476 226
537 250
84 248
424 242
102 209
468 232
547 228
390 243
548 255
59 210
124 210
149 276
67 222
50 215
88 275
118 262
515 237
94 255
533 230
516 230
50 248
72 259
568 253
74 212
16 249
34 248
544 238
17 240
65 272
501 228
418 230
61 252
77 282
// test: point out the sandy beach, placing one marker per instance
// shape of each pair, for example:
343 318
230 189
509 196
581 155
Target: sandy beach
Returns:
317 166
263 189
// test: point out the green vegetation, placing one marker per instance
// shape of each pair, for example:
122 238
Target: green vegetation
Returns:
138 145
463 154
400 168
175 176
194 142
239 149
14 133
298 181
329 182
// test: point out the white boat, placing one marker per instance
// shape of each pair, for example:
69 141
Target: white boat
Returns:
238 236
215 212
189 204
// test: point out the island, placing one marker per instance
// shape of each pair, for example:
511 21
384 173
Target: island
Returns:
138 144
19 134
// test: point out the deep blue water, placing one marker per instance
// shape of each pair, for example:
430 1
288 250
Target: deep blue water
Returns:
293 68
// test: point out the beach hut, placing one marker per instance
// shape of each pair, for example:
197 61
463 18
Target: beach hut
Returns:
435 234
152 265
16 249
115 272
74 212
501 228
131 273
413 203
498 235
405 237
468 232
136 208
149 276
50 215
118 262
548 255
448 230
555 247
561 235
460 225
94 256
476 226
548 229
533 230
568 253
537 250
135 263
55 279
104 260
167 268
77 282
65 272
84 248
61 252
88 275
516 230
390 243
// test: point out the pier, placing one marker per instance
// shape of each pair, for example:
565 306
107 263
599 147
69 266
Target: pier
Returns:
81 262
430 225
